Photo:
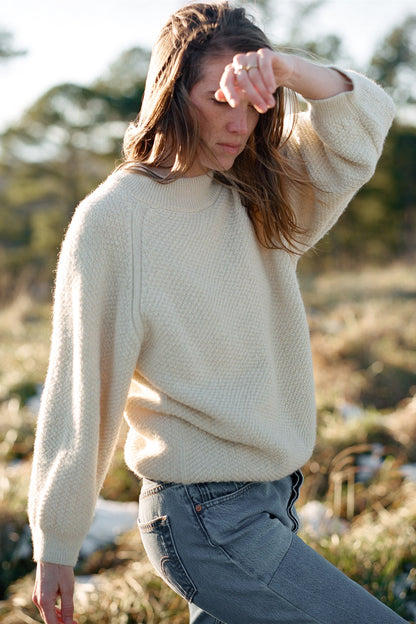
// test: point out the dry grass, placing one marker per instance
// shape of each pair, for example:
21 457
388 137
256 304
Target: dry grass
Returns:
363 332
379 548
24 346
124 591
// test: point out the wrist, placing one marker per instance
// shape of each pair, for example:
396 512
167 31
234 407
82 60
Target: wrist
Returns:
316 82
285 70
293 72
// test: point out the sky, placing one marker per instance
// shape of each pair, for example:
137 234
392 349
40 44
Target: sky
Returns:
76 40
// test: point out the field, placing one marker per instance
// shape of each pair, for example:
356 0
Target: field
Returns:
359 496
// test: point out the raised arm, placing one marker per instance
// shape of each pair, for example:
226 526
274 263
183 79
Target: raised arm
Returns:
336 142
259 74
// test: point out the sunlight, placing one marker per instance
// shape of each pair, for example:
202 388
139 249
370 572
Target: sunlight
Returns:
139 390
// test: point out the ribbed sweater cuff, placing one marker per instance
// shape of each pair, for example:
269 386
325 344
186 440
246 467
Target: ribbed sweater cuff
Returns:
53 549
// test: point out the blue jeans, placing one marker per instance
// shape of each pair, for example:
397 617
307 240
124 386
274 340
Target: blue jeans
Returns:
231 550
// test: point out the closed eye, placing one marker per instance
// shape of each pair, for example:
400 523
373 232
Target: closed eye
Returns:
219 102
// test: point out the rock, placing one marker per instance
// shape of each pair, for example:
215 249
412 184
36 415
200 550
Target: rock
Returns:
370 463
409 471
110 520
319 521
350 411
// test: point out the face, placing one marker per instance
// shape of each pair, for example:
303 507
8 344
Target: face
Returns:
224 130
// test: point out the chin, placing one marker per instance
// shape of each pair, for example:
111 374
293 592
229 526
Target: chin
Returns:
223 166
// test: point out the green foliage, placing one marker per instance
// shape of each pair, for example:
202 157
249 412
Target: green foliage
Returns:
45 227
394 61
61 149
123 78
380 223
7 50
70 140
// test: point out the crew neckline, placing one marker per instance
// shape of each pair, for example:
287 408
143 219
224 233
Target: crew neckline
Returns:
191 194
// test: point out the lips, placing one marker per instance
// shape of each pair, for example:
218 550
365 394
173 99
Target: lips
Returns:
230 148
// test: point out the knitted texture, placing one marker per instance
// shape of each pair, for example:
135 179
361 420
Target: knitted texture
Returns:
167 307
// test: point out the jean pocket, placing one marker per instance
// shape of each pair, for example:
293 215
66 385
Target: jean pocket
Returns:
240 524
160 547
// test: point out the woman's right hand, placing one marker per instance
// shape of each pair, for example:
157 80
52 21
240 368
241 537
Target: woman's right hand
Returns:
258 74
53 580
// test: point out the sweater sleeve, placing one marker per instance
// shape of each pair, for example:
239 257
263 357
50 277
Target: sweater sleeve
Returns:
95 346
339 141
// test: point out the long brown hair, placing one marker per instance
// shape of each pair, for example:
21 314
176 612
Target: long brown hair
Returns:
166 131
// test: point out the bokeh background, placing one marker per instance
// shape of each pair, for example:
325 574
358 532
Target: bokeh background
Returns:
72 76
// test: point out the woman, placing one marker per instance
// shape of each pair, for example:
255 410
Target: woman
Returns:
177 301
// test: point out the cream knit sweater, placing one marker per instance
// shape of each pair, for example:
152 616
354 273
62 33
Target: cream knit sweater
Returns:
167 308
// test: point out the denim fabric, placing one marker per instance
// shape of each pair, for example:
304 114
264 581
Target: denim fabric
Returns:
231 550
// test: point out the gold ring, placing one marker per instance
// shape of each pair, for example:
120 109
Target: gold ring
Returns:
247 67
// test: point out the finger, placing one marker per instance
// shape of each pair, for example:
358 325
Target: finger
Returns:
67 606
219 95
228 86
261 74
44 595
66 590
265 61
64 619
47 611
252 94
45 606
59 616
257 80
250 79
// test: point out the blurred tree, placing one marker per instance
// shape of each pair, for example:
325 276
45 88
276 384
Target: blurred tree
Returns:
325 47
264 7
380 223
6 46
401 200
69 140
394 62
63 146
381 220
122 76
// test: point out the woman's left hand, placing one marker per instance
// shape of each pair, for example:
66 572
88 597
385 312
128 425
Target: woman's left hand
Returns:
255 76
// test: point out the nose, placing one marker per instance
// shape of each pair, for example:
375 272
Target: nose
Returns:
238 120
